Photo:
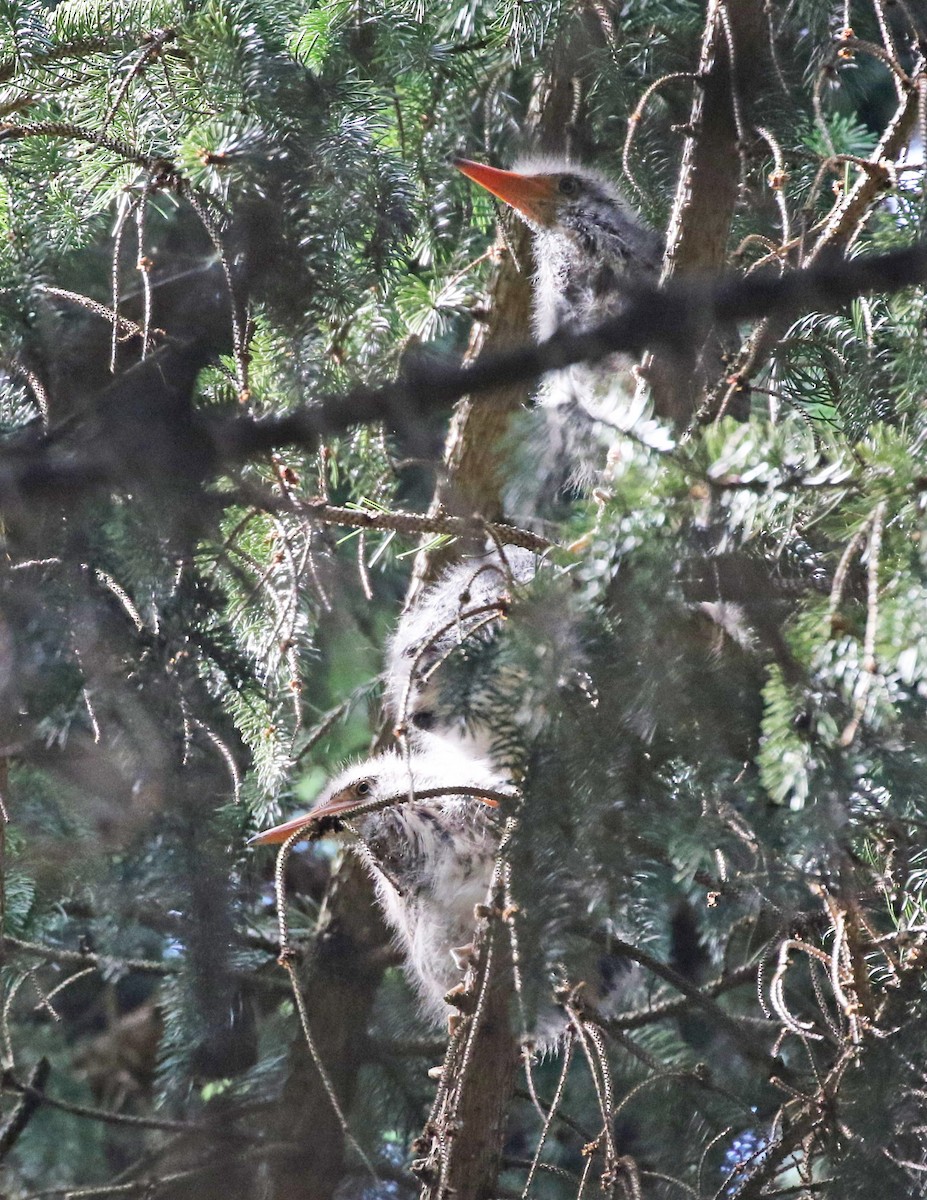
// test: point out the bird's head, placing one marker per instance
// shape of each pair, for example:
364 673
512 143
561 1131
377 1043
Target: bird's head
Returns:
359 784
385 777
577 202
547 192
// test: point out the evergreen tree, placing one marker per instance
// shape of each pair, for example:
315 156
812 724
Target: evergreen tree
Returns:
238 274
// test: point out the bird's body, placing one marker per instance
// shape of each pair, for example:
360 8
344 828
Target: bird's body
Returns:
459 612
431 860
590 248
432 863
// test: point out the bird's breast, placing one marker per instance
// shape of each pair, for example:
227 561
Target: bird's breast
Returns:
436 852
578 282
432 866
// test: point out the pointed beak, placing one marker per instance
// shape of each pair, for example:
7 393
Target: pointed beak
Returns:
529 194
280 833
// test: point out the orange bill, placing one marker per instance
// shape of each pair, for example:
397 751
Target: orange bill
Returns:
331 808
528 193
280 833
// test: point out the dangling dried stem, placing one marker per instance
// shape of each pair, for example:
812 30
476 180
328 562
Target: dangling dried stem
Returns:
869 665
287 960
567 1057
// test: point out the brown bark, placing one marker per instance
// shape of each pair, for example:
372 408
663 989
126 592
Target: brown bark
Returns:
340 982
25 1108
732 65
470 485
466 1131
475 449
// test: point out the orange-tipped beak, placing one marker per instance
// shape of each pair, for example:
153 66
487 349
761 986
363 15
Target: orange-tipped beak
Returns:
332 808
280 833
529 194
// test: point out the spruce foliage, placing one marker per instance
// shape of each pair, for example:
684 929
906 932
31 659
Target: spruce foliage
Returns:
222 212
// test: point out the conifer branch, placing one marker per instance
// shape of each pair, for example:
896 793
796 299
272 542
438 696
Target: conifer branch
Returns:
34 1091
78 49
674 317
138 966
668 1009
32 1096
748 1045
10 131
840 229
435 523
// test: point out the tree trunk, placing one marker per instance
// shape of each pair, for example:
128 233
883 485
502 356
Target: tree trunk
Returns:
732 63
340 983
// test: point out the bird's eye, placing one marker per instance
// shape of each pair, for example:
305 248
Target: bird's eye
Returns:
363 788
569 185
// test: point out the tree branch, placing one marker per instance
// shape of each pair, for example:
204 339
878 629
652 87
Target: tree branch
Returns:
141 448
436 522
637 1018
673 317
840 230
31 1097
747 1045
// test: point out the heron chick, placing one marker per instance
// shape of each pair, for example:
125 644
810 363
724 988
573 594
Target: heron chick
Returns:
590 249
462 609
431 859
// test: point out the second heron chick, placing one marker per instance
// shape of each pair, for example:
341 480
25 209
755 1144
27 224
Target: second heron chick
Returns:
431 858
456 615
591 251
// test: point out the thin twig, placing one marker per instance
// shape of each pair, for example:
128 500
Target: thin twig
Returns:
869 665
288 961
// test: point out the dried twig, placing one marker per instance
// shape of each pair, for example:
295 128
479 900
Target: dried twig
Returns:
869 666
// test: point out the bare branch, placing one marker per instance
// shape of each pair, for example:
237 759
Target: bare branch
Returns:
734 36
674 317
31 1097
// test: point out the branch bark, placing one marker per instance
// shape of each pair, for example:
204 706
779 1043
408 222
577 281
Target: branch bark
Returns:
26 1107
474 453
169 463
466 1129
732 63
324 513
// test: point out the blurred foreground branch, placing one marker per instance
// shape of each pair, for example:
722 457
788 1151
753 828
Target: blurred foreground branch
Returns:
676 317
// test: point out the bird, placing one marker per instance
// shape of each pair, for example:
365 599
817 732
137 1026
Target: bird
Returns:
456 615
589 242
431 859
590 248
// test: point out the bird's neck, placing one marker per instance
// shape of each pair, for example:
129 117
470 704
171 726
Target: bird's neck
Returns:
574 283
583 271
